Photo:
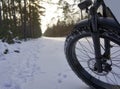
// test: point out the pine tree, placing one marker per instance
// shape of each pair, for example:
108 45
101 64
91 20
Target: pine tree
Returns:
20 18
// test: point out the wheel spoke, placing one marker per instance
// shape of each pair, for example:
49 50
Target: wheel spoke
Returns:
90 44
109 78
102 46
113 45
118 75
83 59
116 60
114 77
83 51
116 56
106 79
85 48
115 52
116 66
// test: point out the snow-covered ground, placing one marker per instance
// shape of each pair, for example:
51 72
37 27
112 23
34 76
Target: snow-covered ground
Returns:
41 64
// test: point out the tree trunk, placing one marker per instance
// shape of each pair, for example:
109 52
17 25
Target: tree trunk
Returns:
14 13
25 20
9 9
30 20
0 15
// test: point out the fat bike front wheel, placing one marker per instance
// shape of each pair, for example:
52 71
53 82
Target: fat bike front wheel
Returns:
80 54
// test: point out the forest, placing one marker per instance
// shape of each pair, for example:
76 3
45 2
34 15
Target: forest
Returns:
21 19
71 14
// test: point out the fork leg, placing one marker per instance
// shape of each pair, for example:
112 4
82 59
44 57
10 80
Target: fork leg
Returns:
107 49
96 38
96 41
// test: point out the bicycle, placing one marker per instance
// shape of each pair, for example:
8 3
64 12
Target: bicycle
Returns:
92 48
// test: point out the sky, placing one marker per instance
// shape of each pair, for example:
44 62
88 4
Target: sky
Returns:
51 12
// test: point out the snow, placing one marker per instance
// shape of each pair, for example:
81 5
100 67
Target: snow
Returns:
41 64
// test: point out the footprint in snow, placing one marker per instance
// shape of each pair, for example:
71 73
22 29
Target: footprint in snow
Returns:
59 81
62 77
11 85
2 58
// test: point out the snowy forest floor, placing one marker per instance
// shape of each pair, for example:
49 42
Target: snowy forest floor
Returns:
41 64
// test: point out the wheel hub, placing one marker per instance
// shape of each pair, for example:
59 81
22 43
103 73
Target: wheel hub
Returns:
106 66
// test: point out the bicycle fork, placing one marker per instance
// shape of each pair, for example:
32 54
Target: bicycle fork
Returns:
97 45
96 39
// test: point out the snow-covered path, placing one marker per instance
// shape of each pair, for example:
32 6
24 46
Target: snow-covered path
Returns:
41 64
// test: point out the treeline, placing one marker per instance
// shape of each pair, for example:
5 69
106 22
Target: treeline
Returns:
20 18
71 15
59 30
